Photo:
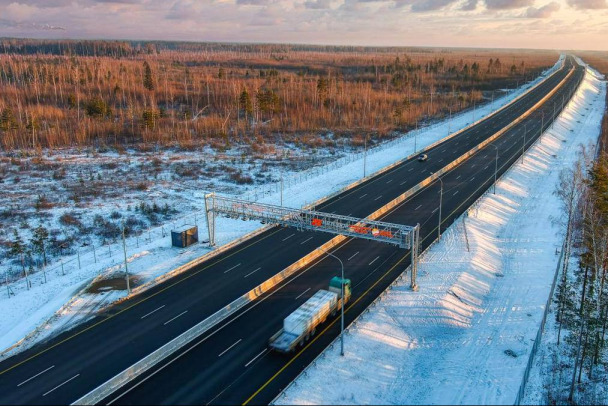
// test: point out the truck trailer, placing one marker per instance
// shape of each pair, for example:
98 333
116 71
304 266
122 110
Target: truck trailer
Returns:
300 325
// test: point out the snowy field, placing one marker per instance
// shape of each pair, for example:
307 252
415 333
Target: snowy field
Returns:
60 297
466 336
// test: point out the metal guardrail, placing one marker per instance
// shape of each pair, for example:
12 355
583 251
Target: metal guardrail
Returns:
148 362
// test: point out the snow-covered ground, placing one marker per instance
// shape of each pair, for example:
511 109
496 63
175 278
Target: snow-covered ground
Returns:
58 298
466 336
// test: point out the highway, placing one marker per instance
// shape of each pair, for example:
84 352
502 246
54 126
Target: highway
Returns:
231 363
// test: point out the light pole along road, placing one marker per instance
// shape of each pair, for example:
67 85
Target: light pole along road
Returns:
342 307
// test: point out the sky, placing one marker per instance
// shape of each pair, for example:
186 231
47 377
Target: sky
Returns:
548 24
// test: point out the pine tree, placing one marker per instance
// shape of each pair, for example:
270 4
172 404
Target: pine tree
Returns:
245 103
17 248
7 120
39 240
148 79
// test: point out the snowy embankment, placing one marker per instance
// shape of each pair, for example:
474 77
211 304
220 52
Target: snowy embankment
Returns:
466 336
59 299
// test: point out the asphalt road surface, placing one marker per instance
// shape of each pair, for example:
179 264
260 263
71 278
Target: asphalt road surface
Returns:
231 363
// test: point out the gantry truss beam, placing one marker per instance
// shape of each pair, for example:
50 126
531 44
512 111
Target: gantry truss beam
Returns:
397 234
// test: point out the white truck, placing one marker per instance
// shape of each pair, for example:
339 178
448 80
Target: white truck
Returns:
300 325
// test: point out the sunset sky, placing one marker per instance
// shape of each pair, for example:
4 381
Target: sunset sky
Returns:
557 24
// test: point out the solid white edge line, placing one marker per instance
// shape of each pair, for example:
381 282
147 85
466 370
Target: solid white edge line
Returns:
35 376
153 311
229 348
60 385
179 315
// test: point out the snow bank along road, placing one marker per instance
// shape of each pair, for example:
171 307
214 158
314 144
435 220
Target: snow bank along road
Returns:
231 363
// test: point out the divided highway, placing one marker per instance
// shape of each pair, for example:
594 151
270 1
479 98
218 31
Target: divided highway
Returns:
231 363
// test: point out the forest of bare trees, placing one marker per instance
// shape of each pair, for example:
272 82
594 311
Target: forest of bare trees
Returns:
56 94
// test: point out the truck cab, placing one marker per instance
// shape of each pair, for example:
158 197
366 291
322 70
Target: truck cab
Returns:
335 285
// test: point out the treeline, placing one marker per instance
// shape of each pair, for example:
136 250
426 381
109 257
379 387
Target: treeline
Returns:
582 293
143 95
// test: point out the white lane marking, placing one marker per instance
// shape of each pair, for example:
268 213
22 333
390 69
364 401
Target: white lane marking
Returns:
471 180
455 193
254 358
354 255
60 385
378 197
375 259
389 181
301 294
229 348
287 238
153 311
473 166
418 207
252 272
361 197
411 169
306 240
458 177
179 315
36 376
435 210
236 266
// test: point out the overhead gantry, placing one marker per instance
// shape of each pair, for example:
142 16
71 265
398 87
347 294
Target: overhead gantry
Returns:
406 237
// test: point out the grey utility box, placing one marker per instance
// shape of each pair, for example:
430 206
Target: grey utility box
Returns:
184 236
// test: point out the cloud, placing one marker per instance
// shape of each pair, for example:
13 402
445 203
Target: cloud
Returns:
318 4
253 2
421 6
588 4
469 5
508 4
543 12
29 26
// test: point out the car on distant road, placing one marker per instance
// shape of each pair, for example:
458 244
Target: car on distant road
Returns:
423 157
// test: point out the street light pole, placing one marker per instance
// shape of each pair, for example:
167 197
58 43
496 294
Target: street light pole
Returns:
342 307
523 147
495 167
365 156
124 247
440 203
